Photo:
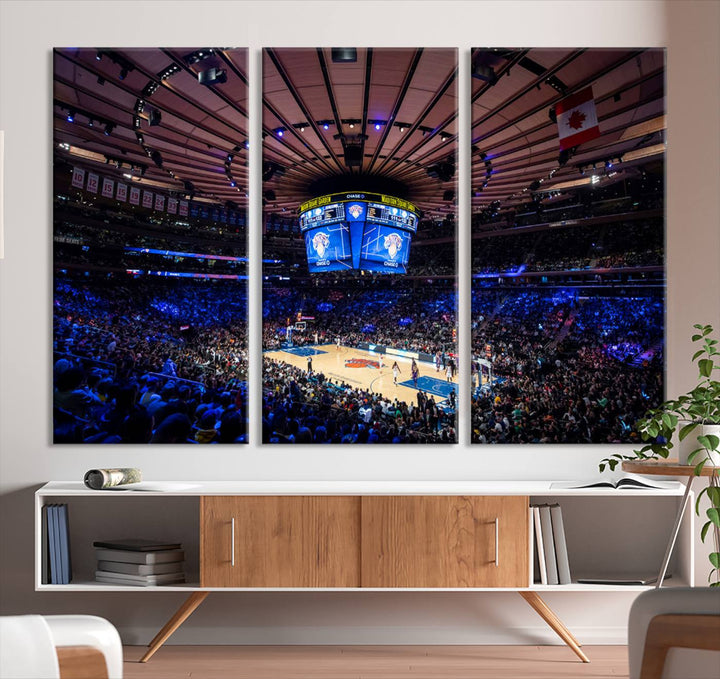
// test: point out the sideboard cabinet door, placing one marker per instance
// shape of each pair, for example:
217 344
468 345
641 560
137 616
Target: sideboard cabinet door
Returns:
289 541
445 541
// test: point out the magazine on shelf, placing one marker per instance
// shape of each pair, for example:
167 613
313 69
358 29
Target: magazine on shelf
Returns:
561 551
129 556
137 545
142 580
619 482
140 568
542 576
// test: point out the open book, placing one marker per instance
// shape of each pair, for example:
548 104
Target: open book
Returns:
620 482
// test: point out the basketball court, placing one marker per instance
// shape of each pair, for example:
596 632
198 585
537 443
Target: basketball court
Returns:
370 370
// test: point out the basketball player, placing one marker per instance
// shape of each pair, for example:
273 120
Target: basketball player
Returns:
337 342
449 372
415 372
396 371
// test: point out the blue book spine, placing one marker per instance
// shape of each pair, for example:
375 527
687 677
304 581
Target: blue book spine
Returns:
64 545
52 544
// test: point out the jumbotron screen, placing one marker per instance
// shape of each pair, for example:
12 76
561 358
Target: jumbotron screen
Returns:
368 231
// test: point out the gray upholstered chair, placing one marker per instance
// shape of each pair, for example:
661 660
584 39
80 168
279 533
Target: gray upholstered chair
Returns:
674 633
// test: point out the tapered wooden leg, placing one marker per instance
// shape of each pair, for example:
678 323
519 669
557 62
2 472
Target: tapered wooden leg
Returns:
181 615
546 613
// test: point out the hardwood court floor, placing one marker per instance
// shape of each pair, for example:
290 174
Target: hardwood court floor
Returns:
335 365
375 662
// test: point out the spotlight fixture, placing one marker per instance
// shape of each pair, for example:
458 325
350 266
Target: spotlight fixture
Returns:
377 126
100 80
123 74
109 127
98 55
343 55
279 131
247 144
91 122
154 117
71 116
212 76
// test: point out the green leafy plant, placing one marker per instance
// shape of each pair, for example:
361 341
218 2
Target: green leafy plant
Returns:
700 406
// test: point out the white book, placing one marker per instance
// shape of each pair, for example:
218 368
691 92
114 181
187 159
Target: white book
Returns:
540 547
549 545
129 556
122 578
561 552
139 568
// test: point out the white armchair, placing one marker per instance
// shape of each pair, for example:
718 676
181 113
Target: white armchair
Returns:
674 633
59 647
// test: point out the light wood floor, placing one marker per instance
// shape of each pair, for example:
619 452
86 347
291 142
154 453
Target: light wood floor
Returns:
375 662
333 364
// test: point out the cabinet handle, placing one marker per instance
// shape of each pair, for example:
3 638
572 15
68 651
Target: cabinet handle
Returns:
232 542
497 541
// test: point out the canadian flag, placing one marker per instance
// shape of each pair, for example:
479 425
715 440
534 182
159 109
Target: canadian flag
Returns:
576 119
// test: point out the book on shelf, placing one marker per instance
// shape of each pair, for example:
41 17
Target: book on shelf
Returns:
130 556
139 568
549 545
45 552
64 539
623 482
53 545
542 574
561 551
141 580
623 579
137 545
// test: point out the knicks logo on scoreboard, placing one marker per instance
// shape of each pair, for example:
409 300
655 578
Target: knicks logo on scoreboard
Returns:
355 210
393 244
361 363
320 243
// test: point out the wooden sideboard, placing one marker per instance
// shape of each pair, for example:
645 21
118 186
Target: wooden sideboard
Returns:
356 536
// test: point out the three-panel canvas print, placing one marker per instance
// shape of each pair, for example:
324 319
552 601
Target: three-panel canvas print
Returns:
358 245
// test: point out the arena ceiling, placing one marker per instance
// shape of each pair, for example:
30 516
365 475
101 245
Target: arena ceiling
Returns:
395 110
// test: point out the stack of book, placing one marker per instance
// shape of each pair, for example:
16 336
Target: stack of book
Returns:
552 565
143 563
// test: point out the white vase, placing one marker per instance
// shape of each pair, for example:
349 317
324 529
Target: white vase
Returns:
690 443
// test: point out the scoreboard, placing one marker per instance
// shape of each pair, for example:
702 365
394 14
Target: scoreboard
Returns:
366 231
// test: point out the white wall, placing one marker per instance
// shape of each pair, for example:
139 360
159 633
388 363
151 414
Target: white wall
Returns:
28 31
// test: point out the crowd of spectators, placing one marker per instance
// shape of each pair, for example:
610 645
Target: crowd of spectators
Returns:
565 369
138 361
395 315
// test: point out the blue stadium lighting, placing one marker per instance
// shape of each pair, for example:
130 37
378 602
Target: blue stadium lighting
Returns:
232 184
247 144
191 255
378 126
326 126
71 117
279 131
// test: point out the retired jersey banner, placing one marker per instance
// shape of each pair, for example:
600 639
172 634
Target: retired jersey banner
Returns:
134 195
93 182
576 119
147 200
121 193
183 208
78 178
159 202
172 206
107 187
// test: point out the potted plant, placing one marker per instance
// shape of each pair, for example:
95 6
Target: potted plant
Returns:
696 412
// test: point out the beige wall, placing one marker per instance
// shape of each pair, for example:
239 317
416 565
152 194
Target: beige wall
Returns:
28 31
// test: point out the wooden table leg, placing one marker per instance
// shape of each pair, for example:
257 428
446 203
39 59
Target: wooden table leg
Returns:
181 615
547 614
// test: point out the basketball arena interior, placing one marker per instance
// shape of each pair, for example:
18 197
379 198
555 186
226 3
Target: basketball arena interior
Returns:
359 233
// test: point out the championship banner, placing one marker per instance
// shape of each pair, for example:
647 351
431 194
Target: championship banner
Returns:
107 187
93 182
159 202
172 206
577 119
134 195
78 178
121 193
147 199
183 208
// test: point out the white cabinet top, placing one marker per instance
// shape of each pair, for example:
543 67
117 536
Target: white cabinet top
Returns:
198 488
